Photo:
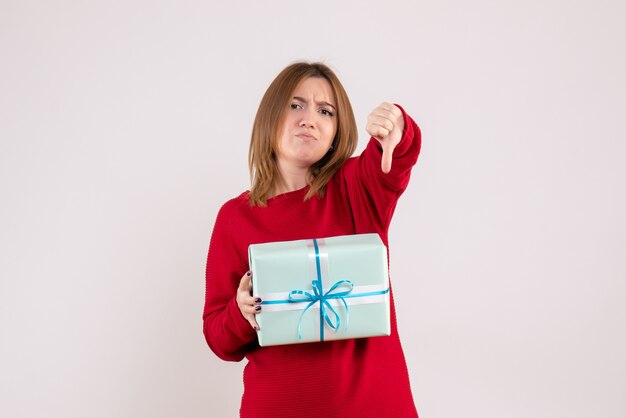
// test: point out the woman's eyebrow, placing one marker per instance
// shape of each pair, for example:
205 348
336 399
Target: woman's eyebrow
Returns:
303 100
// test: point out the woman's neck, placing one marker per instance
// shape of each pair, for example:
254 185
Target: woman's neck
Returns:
291 179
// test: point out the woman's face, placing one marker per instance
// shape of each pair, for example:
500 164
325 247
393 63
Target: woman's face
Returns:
309 125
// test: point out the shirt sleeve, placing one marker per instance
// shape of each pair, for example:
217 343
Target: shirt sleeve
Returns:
227 332
373 194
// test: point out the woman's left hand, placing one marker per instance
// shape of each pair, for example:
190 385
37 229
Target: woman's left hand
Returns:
386 124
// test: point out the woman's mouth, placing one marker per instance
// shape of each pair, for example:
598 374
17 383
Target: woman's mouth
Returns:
306 137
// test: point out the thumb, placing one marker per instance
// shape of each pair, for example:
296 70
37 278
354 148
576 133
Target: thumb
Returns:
385 163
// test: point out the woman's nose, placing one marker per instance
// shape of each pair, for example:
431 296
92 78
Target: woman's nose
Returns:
308 119
306 123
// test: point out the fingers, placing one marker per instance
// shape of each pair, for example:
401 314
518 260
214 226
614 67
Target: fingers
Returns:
382 120
378 127
245 284
251 309
248 304
386 124
249 300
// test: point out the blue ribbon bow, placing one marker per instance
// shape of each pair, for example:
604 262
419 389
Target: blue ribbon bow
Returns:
321 297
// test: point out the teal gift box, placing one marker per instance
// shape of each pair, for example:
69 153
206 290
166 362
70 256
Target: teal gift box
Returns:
321 289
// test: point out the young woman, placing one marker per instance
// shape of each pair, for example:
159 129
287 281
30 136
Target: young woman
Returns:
306 185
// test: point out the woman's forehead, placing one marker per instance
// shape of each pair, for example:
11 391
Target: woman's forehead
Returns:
317 89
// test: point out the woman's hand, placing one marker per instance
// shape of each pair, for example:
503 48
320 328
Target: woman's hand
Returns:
248 305
386 124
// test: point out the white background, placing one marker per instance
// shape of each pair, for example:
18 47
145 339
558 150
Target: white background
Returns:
124 126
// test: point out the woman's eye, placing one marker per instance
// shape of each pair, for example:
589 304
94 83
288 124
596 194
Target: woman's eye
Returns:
326 112
295 106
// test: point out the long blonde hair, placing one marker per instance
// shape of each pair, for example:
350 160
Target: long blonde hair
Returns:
264 173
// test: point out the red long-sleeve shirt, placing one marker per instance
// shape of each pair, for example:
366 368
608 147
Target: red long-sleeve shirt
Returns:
361 378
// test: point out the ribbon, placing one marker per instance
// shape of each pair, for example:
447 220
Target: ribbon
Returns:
321 297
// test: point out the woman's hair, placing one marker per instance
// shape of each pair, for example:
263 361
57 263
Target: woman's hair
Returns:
264 173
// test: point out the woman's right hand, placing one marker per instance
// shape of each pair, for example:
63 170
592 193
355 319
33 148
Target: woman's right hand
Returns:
386 124
248 305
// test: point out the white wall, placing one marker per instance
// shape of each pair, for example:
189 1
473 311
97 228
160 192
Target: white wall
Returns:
124 125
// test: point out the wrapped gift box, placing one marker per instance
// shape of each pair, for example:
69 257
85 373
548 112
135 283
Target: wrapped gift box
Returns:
321 289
